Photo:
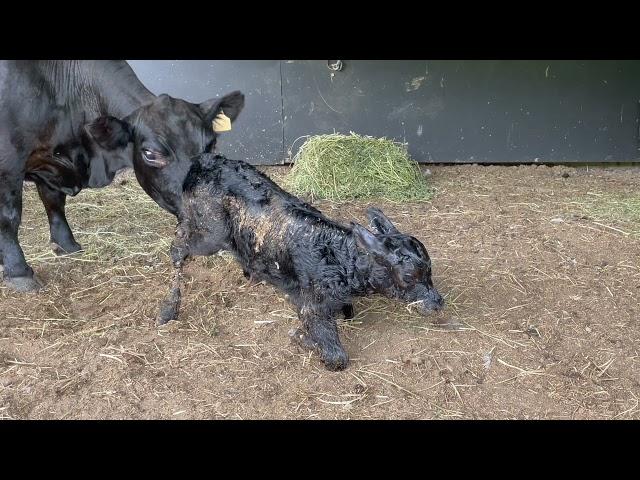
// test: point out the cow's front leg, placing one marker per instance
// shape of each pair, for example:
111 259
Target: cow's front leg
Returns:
319 333
16 273
61 237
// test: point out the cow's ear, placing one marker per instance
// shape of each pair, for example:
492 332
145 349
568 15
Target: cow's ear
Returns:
222 112
109 132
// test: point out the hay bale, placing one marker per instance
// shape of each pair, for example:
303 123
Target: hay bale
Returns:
347 167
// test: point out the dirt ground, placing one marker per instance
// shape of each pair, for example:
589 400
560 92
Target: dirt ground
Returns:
540 266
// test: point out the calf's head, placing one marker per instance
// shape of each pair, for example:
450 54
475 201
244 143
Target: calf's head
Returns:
401 267
166 135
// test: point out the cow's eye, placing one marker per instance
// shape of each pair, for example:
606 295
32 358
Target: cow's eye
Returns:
154 159
150 155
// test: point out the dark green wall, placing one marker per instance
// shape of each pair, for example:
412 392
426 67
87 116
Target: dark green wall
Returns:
494 111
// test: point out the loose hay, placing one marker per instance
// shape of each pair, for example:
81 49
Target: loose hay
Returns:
621 209
124 224
347 167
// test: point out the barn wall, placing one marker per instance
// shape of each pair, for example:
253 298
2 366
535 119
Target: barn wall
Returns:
462 111
257 133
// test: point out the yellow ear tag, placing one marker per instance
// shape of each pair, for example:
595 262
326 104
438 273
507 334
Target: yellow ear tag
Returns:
221 123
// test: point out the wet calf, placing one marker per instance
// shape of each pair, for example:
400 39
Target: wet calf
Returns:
276 237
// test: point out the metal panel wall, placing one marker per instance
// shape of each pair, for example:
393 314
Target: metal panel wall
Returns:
257 133
473 110
476 111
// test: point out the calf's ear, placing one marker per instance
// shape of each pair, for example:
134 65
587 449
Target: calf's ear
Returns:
367 240
222 112
109 132
380 222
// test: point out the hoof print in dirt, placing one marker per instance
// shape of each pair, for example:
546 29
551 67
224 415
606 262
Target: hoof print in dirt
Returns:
449 324
23 284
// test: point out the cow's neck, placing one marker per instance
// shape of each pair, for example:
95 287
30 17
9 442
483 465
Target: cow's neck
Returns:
99 87
85 90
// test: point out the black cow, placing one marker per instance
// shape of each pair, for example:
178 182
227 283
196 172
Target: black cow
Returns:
69 125
320 264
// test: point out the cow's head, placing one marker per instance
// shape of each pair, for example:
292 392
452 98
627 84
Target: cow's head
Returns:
166 135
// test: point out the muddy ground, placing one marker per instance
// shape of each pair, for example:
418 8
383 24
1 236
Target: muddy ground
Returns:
540 266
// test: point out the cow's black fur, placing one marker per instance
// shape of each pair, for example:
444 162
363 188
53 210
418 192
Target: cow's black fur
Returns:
319 263
69 125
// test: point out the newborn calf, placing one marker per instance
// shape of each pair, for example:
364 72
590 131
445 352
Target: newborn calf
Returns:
276 237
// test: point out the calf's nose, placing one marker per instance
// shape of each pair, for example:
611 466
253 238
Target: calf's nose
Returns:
439 302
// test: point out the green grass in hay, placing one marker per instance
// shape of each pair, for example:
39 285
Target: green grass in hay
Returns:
348 167
616 208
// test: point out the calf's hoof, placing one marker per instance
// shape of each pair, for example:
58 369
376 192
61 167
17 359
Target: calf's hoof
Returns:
167 313
335 360
170 308
23 284
66 248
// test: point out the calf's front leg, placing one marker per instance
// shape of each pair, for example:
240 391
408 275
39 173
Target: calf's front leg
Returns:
319 333
188 243
179 253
